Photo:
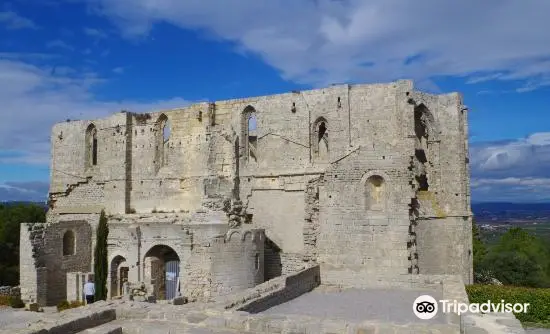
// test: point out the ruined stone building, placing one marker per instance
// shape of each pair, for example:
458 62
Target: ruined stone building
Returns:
371 182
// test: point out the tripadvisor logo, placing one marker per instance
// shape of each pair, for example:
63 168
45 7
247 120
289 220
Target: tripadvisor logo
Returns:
426 307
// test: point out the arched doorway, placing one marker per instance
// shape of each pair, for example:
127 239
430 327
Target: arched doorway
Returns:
119 275
161 269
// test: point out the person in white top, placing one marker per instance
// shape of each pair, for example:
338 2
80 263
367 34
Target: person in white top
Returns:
89 291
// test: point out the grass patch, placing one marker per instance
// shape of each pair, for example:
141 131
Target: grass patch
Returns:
538 312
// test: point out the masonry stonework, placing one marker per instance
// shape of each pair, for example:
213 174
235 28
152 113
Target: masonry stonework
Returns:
214 198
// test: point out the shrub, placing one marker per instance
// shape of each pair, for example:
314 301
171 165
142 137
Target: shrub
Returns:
5 300
16 302
538 299
76 303
63 305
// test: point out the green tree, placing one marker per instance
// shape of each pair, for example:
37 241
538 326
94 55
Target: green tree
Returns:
515 268
520 258
100 259
479 248
11 217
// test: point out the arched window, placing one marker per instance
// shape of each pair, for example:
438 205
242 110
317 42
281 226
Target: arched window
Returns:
68 243
164 129
91 146
375 193
250 136
320 143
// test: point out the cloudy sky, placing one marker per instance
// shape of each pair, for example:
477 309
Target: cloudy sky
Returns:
76 59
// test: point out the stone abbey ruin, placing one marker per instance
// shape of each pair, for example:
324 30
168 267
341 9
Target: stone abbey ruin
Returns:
369 184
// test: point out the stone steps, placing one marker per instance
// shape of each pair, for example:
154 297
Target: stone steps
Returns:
108 328
163 327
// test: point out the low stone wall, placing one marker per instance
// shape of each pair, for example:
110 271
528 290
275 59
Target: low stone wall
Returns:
181 320
10 291
71 321
349 276
273 292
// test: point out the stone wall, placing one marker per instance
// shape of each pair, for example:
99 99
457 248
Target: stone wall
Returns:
48 253
272 292
10 291
350 175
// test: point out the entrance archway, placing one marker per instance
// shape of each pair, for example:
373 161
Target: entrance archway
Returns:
119 275
161 269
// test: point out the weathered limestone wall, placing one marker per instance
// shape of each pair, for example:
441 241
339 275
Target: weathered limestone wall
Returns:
27 266
104 184
62 247
237 261
213 260
443 246
365 176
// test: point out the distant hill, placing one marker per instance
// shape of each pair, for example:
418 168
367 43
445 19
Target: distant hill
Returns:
502 211
8 203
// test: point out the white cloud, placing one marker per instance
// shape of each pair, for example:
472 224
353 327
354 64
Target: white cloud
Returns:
118 70
13 21
325 41
527 157
34 98
96 33
59 44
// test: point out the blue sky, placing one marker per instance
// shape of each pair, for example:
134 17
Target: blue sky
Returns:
82 59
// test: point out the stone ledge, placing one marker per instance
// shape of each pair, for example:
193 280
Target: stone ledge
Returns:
273 292
72 321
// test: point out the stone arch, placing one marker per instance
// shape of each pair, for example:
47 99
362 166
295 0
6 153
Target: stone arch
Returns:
425 125
375 190
163 132
320 140
230 234
118 274
247 234
91 146
69 243
249 126
161 271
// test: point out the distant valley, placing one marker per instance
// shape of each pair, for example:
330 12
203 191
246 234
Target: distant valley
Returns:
497 217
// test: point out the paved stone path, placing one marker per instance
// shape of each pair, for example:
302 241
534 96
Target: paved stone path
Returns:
358 305
17 318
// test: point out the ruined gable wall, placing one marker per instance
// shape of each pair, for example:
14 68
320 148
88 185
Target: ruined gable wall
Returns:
179 184
445 244
272 186
44 266
77 189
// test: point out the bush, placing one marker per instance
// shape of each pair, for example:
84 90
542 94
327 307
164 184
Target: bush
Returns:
63 305
16 302
76 303
538 299
5 300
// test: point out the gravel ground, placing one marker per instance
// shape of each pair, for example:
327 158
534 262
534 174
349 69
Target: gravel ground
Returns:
356 305
537 330
19 318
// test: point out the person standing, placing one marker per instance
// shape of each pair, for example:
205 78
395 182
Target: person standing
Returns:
89 291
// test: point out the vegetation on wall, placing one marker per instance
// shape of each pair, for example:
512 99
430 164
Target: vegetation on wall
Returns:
11 217
100 259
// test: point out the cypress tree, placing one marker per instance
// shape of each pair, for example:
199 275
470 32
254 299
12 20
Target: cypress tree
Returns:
100 258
